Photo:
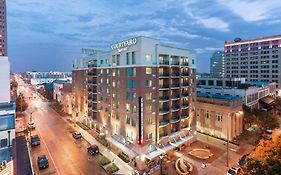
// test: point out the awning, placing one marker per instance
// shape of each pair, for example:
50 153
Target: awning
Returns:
268 100
181 141
158 151
132 154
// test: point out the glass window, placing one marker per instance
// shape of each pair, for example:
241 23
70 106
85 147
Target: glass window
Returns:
148 83
3 143
101 62
113 60
134 84
127 107
106 61
149 136
128 84
148 96
133 72
148 108
128 58
148 70
127 119
133 57
133 122
101 80
107 80
128 96
7 122
101 71
127 72
133 96
149 121
118 60
148 58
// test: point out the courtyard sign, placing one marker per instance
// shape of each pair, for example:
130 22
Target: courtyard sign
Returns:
123 45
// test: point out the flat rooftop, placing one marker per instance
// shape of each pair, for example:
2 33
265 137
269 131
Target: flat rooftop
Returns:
217 96
263 39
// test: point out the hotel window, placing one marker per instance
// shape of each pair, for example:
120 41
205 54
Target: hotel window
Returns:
148 96
207 114
133 96
101 62
134 111
148 108
134 84
113 84
148 70
128 58
101 80
133 122
127 121
148 58
3 143
128 84
133 57
127 107
107 90
149 121
106 61
127 72
148 83
118 72
113 73
113 60
107 71
118 60
101 71
128 96
133 72
107 80
149 136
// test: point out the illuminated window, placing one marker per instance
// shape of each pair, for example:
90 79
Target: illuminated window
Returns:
148 70
128 58
133 72
148 58
148 96
127 107
148 83
133 57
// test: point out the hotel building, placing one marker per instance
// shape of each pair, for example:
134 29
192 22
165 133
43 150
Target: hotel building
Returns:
255 60
217 64
142 92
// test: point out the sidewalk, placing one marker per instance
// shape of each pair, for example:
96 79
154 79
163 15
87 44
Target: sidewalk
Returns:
125 169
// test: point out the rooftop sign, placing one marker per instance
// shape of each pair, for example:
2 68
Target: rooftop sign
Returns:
124 44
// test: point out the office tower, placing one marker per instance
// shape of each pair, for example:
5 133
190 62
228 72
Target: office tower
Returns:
142 90
3 29
255 60
217 64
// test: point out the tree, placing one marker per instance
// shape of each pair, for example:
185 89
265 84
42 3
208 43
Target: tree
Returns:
57 106
21 104
265 159
278 104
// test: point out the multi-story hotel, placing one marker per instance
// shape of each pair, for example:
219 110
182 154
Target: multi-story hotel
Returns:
142 91
3 29
255 60
217 64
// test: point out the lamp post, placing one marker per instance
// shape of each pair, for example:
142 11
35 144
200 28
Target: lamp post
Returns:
161 161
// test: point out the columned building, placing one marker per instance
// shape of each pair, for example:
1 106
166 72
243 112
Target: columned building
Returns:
142 92
254 60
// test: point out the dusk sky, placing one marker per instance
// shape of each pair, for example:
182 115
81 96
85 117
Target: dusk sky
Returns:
47 35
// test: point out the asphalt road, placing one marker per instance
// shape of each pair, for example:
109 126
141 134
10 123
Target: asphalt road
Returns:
66 155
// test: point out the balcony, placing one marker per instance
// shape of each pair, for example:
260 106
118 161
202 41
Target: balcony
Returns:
176 75
175 97
185 74
163 123
175 86
92 74
164 99
164 87
185 84
175 108
164 75
184 106
184 95
164 134
92 82
174 120
175 63
184 64
184 116
163 111
164 62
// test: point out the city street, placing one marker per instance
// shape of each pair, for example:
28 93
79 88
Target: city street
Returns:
66 155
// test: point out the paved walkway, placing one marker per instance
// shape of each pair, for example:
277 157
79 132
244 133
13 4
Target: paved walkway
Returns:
125 169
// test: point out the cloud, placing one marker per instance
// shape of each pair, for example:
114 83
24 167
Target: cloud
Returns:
254 10
207 49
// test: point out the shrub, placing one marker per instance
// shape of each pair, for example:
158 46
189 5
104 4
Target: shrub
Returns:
83 126
124 158
104 160
179 167
112 168
102 140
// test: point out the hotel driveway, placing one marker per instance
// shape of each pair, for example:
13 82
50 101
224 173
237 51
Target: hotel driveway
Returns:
66 155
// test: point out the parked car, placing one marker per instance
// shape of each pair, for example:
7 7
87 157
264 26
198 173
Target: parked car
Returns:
267 138
35 140
77 135
268 131
242 160
42 162
31 125
92 150
234 171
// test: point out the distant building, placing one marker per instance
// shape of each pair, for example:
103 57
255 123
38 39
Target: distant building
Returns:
217 64
3 31
254 60
219 115
37 78
62 93
252 93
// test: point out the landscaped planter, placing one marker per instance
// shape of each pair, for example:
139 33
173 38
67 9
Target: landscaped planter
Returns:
201 153
183 167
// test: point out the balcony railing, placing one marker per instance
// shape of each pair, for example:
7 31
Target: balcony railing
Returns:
184 74
185 84
163 134
184 64
184 106
163 122
175 97
175 63
163 111
176 85
175 74
92 82
174 120
164 86
92 74
164 99
164 75
164 62
184 116
184 95
175 108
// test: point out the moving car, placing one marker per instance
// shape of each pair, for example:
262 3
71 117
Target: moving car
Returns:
92 150
42 162
268 131
77 135
234 171
35 140
31 125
